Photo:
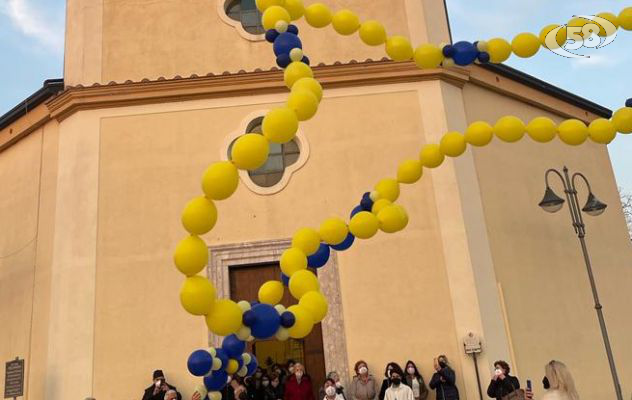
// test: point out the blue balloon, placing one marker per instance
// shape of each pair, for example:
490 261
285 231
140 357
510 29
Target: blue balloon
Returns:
285 279
483 57
223 357
283 60
292 29
271 35
319 258
266 321
628 102
248 318
200 362
285 42
346 243
287 319
216 381
355 210
465 53
233 346
448 50
305 60
366 202
252 367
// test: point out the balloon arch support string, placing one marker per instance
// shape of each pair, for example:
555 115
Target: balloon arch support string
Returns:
244 321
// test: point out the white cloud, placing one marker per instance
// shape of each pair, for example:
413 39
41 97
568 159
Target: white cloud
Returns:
32 24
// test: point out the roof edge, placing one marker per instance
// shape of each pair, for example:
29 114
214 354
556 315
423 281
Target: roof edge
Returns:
49 88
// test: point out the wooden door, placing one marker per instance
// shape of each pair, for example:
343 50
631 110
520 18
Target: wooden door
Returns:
245 281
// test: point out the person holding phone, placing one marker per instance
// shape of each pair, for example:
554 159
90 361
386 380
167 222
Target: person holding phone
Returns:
444 380
502 383
159 388
558 383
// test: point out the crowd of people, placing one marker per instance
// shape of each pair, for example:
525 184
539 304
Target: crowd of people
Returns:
291 382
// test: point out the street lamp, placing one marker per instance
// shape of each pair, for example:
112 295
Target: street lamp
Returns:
553 203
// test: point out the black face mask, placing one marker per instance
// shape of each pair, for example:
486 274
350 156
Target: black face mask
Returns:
545 383
442 364
396 381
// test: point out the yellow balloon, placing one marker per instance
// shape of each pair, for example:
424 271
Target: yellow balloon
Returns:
525 45
304 322
262 5
509 129
220 180
364 225
191 255
388 189
292 260
199 216
453 144
431 156
232 367
372 33
250 151
295 8
560 36
602 131
499 50
428 56
316 304
625 19
479 133
333 231
280 125
573 132
345 22
611 18
622 118
295 71
404 214
310 84
225 318
318 15
274 14
271 292
303 102
399 48
197 295
307 240
392 219
302 282
409 171
578 22
542 129
379 205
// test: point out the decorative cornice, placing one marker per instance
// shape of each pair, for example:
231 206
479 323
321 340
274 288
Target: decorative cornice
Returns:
241 84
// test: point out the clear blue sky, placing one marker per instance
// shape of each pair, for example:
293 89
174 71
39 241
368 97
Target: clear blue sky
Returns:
31 44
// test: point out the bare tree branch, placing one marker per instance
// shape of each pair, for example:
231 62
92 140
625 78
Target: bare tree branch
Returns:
626 203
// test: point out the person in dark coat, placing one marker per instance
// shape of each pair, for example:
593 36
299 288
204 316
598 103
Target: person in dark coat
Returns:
413 379
502 383
386 383
276 386
298 386
444 380
160 387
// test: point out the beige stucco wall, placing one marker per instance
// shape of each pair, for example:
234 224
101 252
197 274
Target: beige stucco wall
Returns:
113 40
537 257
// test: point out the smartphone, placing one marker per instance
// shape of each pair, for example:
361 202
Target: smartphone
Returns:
529 384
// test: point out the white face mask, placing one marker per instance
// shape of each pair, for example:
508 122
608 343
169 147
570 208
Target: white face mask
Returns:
158 383
330 391
338 384
265 383
498 371
411 370
363 370
299 374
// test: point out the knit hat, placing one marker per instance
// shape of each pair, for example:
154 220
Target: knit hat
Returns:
158 374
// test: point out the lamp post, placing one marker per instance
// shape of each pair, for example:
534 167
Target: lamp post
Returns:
553 203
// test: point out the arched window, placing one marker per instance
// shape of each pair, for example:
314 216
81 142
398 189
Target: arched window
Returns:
281 156
245 11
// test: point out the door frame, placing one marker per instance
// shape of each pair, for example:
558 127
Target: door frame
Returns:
223 256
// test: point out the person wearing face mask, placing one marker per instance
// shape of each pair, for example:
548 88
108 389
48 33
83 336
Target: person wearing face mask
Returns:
299 385
331 392
276 387
558 383
387 380
333 375
502 383
415 381
444 380
397 390
267 391
255 390
363 386
159 389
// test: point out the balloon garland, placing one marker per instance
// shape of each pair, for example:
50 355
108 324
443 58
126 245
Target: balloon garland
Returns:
377 210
